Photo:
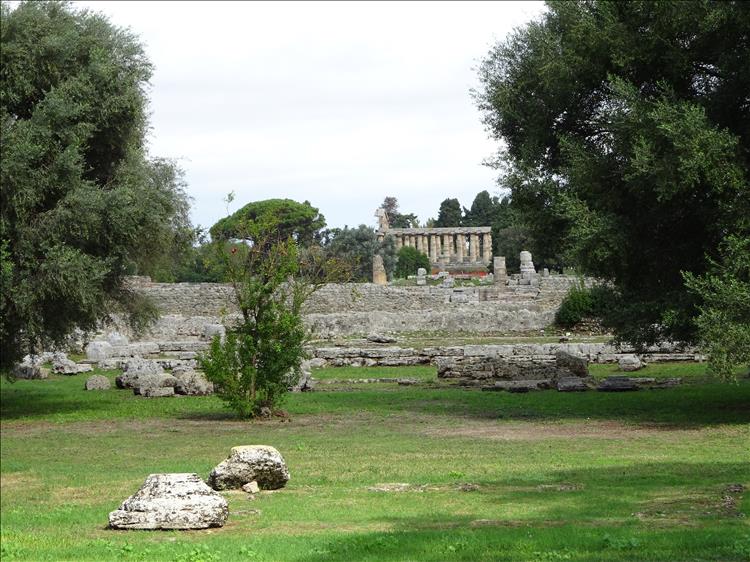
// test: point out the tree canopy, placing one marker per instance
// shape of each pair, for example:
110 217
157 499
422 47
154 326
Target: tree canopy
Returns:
627 142
449 213
300 221
81 202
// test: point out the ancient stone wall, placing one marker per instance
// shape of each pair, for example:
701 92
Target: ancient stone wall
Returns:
362 308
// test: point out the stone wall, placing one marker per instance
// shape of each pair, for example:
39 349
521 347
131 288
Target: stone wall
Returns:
362 308
512 353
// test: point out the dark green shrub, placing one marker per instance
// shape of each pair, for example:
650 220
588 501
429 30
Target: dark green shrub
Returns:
409 260
596 302
576 305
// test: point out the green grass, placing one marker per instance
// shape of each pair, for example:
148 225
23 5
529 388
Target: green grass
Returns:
590 476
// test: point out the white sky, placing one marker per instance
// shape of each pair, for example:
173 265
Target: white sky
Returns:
337 103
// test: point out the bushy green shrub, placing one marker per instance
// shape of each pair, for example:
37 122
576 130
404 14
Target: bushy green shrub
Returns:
582 302
409 260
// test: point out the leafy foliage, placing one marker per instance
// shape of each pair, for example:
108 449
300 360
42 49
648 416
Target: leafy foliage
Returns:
581 302
81 203
409 260
449 214
272 275
724 317
627 134
357 246
301 221
396 219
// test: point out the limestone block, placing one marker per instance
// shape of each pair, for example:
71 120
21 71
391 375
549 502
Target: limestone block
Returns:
192 383
629 363
29 370
64 366
212 330
578 366
154 391
571 384
99 350
171 501
246 463
147 382
617 384
97 382
116 339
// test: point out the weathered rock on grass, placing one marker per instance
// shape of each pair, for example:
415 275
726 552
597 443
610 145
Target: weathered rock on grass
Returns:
192 383
246 463
571 384
171 501
30 368
136 368
618 383
64 366
579 366
99 350
629 363
97 382
155 385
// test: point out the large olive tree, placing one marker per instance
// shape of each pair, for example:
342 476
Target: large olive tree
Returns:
81 203
626 135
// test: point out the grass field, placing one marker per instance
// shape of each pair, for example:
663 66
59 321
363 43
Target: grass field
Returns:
590 476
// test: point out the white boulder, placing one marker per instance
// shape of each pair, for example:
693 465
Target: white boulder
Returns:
171 501
246 463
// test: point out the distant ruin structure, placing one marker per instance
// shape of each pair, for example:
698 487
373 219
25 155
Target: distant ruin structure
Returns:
467 248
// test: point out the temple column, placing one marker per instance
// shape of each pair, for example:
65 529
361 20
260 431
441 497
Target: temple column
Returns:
435 248
399 242
474 245
447 245
420 243
460 246
486 247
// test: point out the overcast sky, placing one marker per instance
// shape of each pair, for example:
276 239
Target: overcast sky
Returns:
337 103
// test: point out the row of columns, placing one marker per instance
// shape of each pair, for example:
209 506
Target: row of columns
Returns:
438 246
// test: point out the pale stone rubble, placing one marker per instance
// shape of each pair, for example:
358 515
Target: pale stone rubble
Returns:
171 501
247 463
97 382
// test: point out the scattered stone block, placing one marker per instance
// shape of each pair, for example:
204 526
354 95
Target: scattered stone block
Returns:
99 350
117 339
212 330
251 487
64 366
192 383
30 368
154 391
134 369
171 501
629 363
380 338
578 366
571 384
617 384
97 382
246 463
152 385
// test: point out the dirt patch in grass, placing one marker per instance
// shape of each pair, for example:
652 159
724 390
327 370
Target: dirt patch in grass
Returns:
15 480
532 431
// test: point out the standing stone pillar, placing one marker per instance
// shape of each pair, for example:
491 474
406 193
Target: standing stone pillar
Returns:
474 244
460 247
500 273
447 245
434 248
486 247
399 241
527 265
378 270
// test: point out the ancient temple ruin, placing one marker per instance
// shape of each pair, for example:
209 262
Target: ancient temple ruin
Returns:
467 248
